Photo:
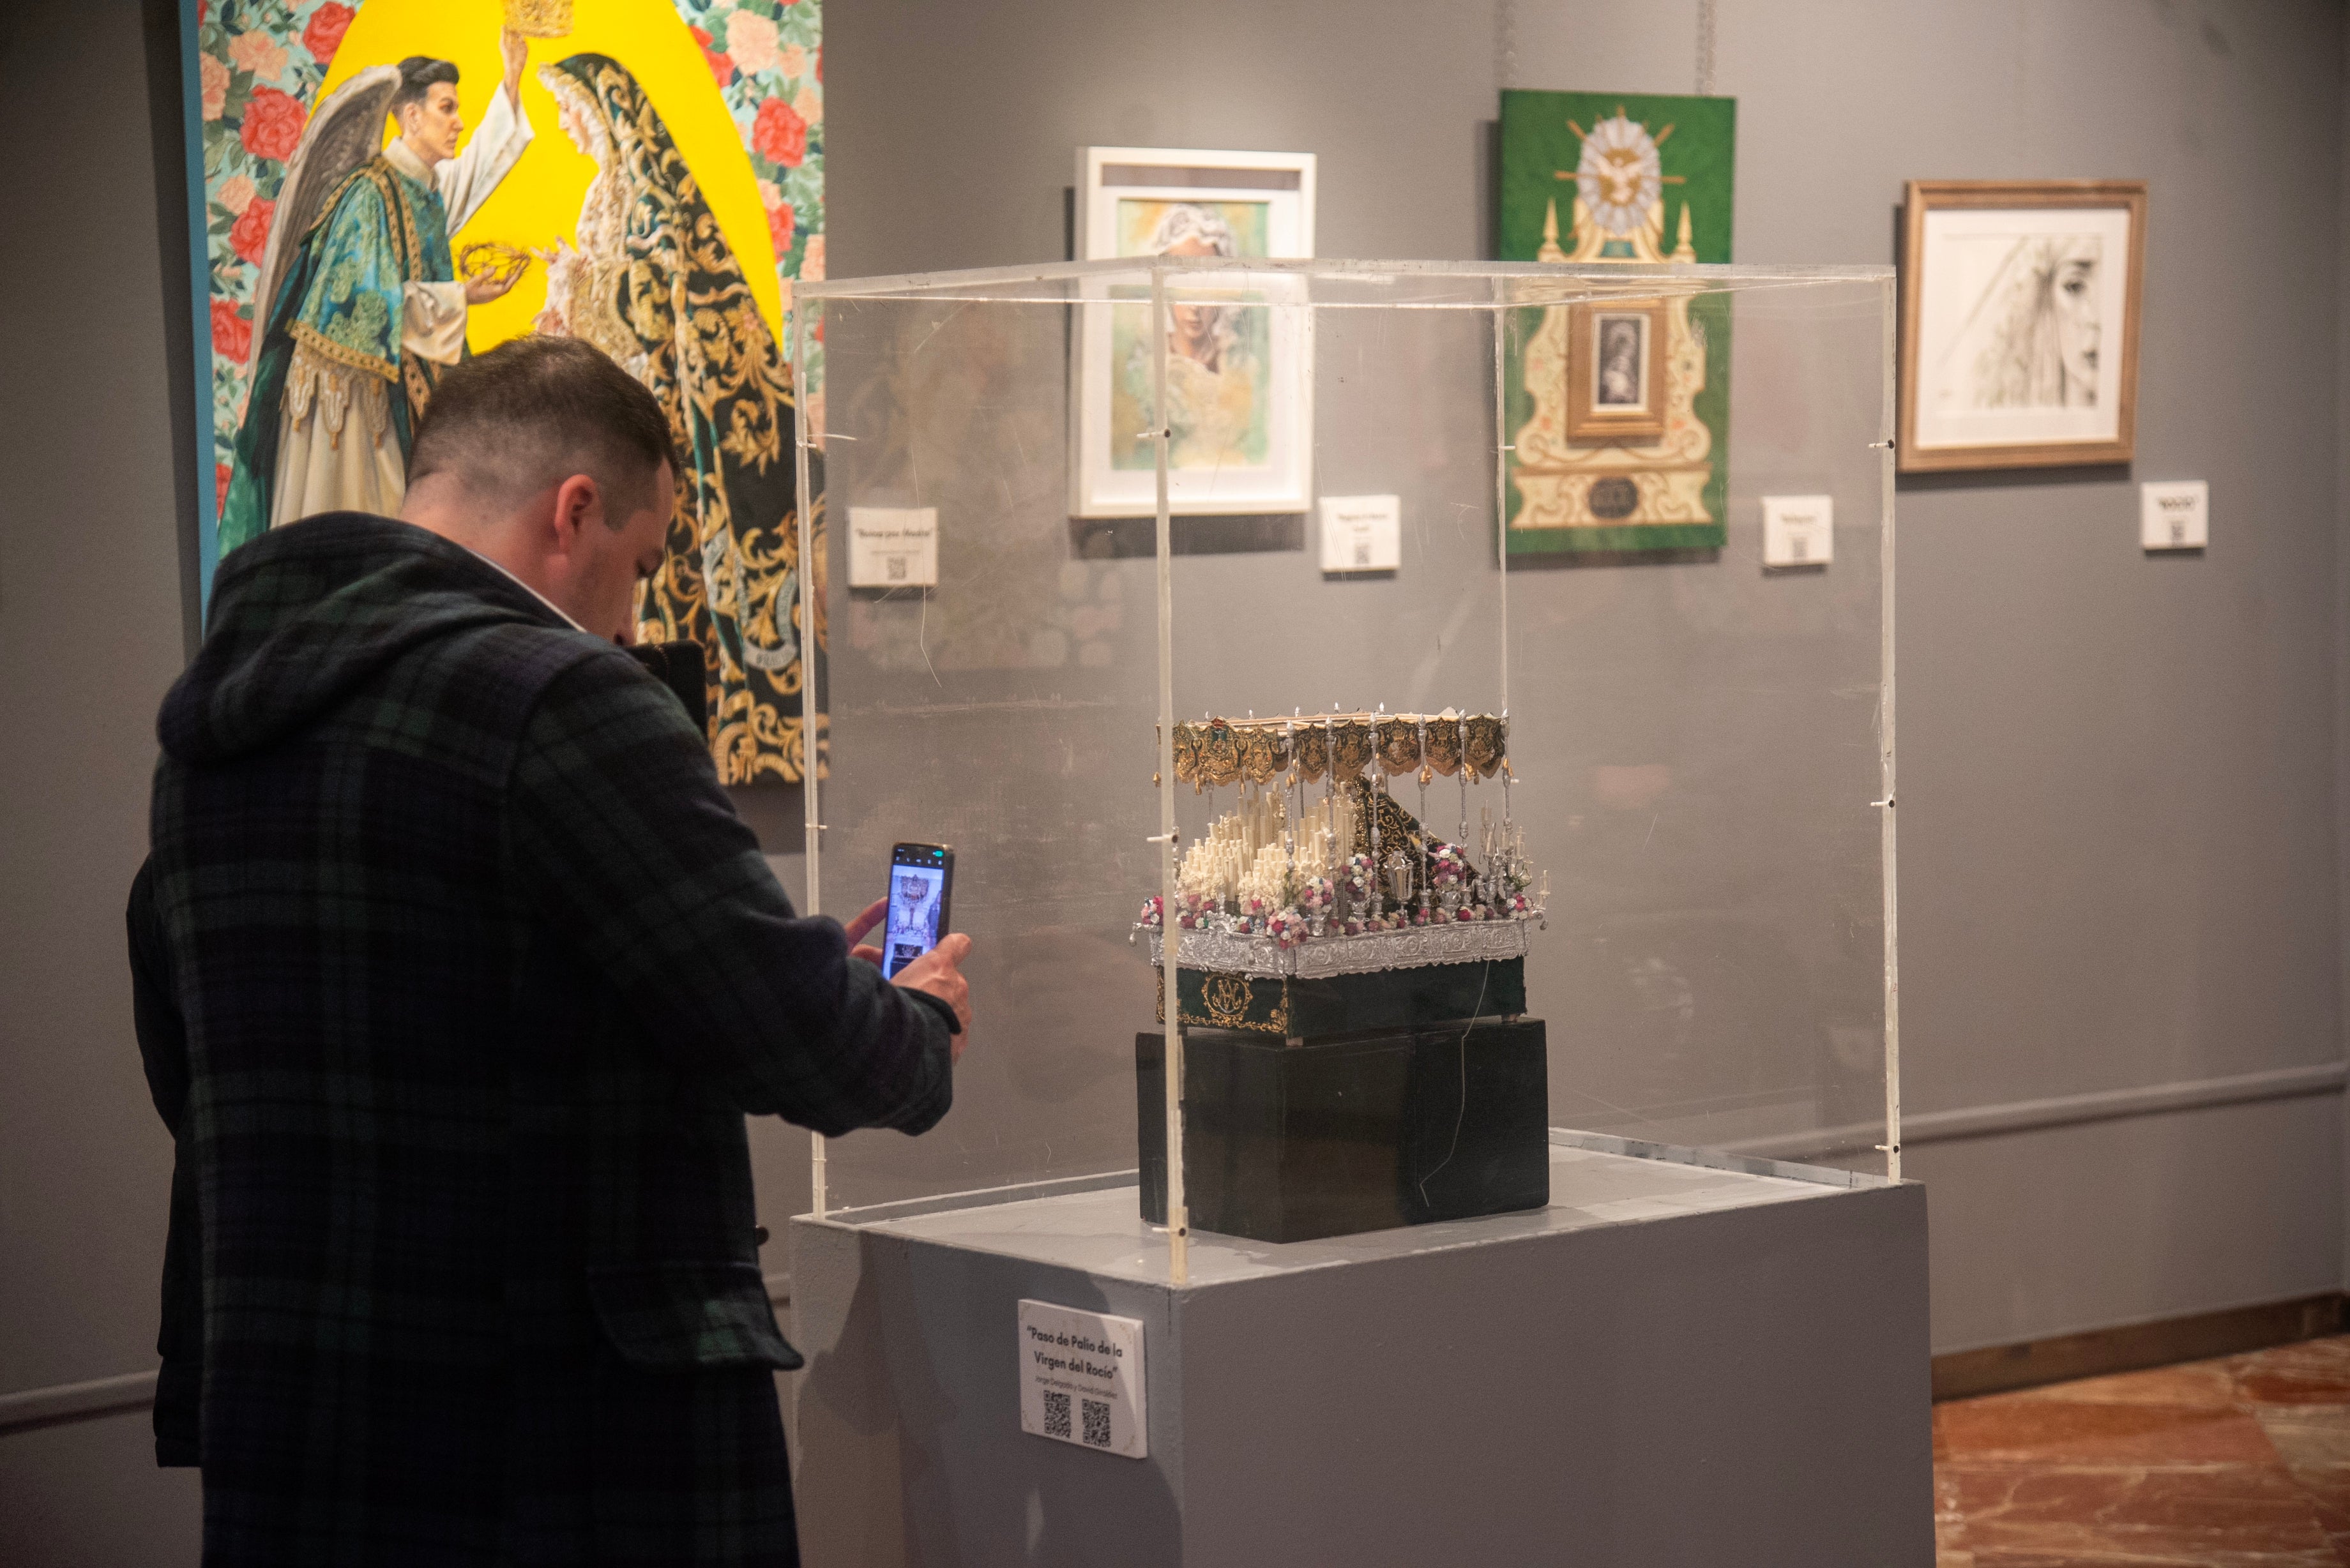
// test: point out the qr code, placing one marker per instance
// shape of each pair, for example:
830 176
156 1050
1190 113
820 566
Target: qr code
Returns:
1056 1415
897 568
1097 1421
1362 552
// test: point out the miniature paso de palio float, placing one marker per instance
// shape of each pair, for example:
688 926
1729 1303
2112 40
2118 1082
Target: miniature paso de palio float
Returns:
1351 985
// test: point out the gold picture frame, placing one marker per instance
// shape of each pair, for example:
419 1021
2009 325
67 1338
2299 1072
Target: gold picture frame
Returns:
2019 334
1616 372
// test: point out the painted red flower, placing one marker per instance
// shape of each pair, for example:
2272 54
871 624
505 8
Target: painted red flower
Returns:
325 34
273 124
819 65
782 225
779 133
221 475
232 333
722 64
249 235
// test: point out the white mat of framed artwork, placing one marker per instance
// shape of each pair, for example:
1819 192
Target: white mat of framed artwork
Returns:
1252 326
1081 1378
2022 316
893 546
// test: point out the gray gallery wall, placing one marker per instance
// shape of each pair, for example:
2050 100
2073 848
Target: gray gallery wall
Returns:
2119 773
2122 791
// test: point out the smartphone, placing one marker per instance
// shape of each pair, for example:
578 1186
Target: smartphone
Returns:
921 879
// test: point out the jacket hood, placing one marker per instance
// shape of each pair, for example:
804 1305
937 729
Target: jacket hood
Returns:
306 614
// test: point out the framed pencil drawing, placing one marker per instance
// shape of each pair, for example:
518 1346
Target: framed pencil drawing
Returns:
2019 322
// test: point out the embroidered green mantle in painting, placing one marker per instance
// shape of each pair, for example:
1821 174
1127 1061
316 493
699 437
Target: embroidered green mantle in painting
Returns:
342 301
655 284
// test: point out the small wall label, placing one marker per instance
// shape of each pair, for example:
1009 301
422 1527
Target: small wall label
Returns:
1081 1378
1362 533
893 546
1798 530
2175 515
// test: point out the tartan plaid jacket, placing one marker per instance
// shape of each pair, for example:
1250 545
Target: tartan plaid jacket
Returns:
457 975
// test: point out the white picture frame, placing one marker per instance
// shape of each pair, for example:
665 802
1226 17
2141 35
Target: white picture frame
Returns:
1250 450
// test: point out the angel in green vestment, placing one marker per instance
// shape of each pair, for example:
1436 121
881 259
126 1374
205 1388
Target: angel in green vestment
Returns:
358 307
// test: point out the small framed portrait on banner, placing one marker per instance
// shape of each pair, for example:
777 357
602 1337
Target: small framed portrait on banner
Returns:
1616 371
2019 322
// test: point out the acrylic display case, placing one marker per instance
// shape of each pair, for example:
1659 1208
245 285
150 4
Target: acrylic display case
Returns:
1108 547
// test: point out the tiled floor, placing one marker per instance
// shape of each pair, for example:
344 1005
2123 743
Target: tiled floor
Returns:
2243 1463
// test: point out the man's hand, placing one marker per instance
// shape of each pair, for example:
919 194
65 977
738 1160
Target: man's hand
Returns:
516 49
938 971
865 921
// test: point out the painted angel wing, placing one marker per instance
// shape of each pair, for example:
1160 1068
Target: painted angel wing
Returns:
345 130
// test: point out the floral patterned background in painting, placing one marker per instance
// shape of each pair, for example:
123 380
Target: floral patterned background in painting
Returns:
259 64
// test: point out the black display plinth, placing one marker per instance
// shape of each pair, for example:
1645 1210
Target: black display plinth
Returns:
1350 1133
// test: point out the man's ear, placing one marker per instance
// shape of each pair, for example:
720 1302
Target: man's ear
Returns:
579 506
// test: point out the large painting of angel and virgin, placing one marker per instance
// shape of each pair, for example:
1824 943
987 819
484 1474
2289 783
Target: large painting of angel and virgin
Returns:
391 185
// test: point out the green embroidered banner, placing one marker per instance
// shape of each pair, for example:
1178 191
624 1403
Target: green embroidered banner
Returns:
1618 412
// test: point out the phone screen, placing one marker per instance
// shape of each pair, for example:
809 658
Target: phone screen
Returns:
918 902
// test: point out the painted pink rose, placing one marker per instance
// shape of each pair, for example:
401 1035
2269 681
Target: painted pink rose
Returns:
325 34
273 124
809 106
235 193
720 66
778 133
812 263
751 39
215 76
793 61
259 53
232 333
249 235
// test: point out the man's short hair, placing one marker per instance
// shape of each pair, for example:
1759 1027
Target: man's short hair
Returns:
416 73
535 411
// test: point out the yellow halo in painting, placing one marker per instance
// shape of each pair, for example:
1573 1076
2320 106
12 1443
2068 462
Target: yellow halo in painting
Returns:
539 201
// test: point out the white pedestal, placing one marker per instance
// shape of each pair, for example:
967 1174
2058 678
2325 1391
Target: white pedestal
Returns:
1672 1363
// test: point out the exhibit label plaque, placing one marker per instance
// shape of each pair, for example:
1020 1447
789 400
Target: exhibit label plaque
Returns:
1081 1378
893 546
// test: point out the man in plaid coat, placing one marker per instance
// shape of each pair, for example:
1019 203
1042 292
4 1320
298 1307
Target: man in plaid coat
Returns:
457 976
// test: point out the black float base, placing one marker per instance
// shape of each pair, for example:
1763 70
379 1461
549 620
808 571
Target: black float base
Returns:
1351 1133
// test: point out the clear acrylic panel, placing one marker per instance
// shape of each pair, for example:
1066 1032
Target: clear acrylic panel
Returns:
1698 747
